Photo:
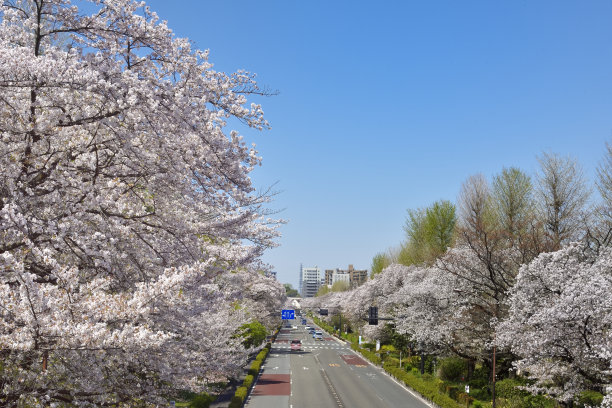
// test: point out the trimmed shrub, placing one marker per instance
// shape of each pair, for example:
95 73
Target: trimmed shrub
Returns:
373 357
238 398
201 401
242 392
369 346
452 369
392 361
255 366
235 402
477 404
248 381
387 347
262 354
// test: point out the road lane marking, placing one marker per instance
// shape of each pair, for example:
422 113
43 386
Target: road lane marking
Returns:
330 386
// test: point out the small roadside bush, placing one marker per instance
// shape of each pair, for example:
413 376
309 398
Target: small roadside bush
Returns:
452 369
369 346
392 361
201 401
387 348
508 388
509 391
373 357
427 386
482 394
248 381
262 354
238 398
255 366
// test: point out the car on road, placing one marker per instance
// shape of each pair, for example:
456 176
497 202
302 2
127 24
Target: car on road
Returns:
296 345
318 335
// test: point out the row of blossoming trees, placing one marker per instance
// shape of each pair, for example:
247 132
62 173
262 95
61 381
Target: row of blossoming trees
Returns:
524 267
130 232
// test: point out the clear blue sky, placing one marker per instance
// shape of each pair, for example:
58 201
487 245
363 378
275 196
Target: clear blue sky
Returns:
391 105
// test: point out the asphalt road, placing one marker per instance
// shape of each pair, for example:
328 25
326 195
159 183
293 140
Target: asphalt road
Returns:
324 374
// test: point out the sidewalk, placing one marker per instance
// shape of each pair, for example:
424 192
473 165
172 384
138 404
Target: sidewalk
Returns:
223 400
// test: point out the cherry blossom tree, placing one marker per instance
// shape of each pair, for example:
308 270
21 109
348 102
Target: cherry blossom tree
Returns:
560 321
130 231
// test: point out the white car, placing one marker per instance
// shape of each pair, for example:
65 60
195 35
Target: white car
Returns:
318 335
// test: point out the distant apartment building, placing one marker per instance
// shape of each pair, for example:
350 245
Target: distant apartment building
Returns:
354 277
335 275
357 276
310 281
328 277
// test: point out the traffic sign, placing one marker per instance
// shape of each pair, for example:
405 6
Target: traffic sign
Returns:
288 314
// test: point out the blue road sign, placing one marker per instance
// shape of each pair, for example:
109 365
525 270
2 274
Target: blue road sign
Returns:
287 314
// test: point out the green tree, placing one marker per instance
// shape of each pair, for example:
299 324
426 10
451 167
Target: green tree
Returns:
563 194
414 250
291 292
340 286
253 333
379 262
429 233
512 195
439 225
323 290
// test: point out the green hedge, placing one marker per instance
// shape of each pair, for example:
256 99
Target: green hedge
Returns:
255 366
373 357
238 398
241 392
201 401
427 386
248 381
392 361
262 354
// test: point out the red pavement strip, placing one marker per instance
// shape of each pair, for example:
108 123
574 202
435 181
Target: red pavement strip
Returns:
273 384
352 359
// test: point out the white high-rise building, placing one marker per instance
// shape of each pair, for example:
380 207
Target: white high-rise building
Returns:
310 281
